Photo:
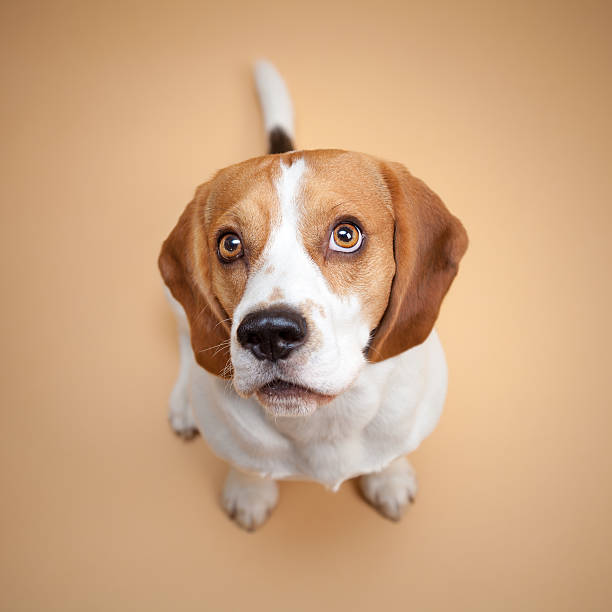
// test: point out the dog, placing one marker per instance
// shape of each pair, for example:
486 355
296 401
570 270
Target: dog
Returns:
306 286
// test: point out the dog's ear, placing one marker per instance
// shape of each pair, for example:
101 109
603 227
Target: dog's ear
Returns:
184 263
428 244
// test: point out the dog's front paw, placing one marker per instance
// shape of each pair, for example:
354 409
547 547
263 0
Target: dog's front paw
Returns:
390 490
248 499
180 415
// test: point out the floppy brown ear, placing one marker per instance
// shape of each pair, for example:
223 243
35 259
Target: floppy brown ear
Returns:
428 244
185 268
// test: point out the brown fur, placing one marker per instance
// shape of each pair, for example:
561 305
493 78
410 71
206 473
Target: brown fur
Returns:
276 295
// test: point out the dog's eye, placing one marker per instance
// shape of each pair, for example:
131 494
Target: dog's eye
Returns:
230 247
346 238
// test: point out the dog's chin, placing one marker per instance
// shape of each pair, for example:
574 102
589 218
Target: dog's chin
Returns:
282 398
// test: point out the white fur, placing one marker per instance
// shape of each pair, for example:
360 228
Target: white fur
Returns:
274 98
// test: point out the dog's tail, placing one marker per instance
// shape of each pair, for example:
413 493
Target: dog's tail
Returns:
276 107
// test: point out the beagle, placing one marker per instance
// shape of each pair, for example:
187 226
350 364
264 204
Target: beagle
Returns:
306 285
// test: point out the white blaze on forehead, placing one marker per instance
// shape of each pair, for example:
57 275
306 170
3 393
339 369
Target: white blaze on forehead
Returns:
288 188
284 252
294 270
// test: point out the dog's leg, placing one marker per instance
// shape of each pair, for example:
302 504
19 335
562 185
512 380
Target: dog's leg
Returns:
390 490
248 499
180 414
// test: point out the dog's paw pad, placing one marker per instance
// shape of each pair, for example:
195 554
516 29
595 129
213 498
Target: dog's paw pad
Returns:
248 500
391 490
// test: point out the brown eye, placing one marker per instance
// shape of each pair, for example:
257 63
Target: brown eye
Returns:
346 238
230 247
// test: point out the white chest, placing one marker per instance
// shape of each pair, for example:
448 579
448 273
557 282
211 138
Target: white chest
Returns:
387 412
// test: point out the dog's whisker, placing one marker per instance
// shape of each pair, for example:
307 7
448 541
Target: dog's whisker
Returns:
227 371
219 347
222 321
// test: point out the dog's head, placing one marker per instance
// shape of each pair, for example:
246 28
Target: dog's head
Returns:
295 270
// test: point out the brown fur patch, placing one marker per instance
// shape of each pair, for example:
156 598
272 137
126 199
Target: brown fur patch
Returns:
276 296
309 304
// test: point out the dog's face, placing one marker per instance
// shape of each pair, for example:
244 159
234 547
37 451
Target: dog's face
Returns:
294 270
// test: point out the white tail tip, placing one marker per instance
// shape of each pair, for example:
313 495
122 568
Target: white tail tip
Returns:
274 98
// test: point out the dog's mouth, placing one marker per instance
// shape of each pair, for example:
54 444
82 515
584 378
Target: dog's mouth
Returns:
284 398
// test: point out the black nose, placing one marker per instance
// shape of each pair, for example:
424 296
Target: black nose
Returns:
273 333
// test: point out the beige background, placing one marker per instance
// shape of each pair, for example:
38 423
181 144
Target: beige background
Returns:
112 113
